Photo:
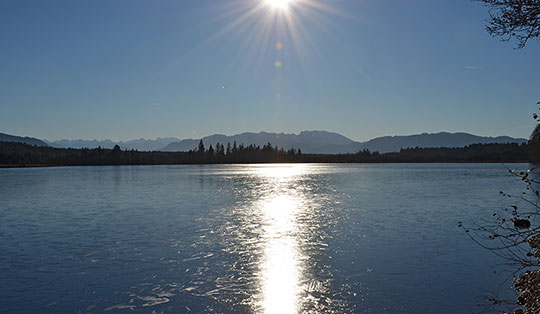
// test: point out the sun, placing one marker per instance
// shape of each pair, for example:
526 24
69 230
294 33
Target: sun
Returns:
266 24
278 4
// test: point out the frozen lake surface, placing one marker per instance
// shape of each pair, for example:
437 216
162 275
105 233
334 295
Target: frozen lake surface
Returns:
312 238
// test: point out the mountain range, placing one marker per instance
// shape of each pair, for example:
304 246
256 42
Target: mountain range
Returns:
323 142
138 144
20 139
317 142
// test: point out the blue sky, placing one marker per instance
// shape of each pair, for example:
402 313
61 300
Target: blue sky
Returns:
130 69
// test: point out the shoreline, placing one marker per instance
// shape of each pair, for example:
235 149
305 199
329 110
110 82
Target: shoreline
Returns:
17 155
7 166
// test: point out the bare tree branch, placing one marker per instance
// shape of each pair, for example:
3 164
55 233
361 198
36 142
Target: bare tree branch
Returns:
519 19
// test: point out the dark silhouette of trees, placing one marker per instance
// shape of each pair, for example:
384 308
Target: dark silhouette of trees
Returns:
201 147
220 151
534 143
518 19
18 154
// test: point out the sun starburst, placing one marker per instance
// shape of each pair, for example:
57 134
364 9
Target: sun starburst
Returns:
279 4
264 24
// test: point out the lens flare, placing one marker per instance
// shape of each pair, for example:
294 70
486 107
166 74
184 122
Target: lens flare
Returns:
269 27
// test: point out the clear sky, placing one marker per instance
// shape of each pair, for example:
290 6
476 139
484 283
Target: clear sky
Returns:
190 68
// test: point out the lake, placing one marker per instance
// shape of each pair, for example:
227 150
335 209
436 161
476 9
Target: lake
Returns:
279 238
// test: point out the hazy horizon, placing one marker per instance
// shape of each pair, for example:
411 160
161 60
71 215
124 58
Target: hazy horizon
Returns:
254 132
195 68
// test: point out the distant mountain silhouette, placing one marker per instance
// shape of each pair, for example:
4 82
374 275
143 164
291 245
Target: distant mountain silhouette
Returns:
18 139
138 144
314 142
307 141
443 139
322 142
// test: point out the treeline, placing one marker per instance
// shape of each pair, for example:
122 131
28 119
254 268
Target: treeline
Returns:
242 154
19 154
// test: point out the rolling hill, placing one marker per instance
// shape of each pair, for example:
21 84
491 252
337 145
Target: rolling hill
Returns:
18 139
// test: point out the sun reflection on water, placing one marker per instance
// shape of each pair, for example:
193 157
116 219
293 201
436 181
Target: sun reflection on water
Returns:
282 172
281 268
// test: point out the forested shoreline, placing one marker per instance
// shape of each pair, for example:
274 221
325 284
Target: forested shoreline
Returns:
22 155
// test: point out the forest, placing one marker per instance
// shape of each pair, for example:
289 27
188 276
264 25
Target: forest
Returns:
22 155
